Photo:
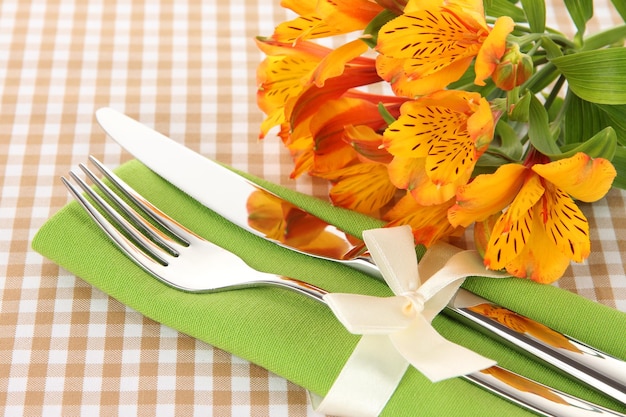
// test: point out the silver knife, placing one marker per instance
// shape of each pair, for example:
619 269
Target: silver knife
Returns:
204 179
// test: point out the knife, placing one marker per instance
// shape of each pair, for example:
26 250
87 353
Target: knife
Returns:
190 171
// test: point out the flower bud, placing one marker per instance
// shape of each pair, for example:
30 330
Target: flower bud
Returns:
513 69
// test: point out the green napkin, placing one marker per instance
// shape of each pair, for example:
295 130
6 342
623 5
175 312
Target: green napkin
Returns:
299 338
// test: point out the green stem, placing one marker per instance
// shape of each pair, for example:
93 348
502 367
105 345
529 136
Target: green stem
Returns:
555 92
557 38
542 78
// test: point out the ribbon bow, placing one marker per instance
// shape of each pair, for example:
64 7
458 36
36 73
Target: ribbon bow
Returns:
397 330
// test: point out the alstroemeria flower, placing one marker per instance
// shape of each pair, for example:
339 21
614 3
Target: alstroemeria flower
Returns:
323 18
291 71
282 75
434 42
436 142
542 228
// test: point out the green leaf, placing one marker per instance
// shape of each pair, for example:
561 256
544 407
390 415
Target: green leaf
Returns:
620 6
580 11
371 31
610 37
539 129
619 162
497 8
616 117
597 76
552 49
521 109
601 145
509 143
584 119
535 11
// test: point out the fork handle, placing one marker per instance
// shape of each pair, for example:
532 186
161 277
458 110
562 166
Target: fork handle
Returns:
301 287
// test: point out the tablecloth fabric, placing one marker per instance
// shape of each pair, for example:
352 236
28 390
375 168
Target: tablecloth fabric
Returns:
187 68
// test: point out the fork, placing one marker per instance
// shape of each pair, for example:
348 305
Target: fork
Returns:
180 258
175 259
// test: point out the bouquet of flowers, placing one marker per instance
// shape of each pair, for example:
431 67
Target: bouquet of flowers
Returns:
445 114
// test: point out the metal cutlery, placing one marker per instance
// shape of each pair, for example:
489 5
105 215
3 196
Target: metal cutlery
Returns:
180 258
230 195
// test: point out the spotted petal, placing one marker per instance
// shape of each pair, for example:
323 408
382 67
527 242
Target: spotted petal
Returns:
363 187
513 229
410 36
429 223
539 260
566 226
487 194
584 178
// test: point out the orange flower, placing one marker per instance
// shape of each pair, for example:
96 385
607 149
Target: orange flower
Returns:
288 72
429 223
436 142
283 75
542 229
323 18
362 187
434 42
339 129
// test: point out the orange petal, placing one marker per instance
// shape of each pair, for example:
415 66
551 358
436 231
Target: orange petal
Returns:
584 178
410 174
481 124
349 15
492 49
410 135
410 36
309 26
363 187
368 143
486 195
334 63
513 229
539 261
565 224
429 223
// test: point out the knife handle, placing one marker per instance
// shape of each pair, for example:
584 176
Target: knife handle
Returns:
536 397
597 369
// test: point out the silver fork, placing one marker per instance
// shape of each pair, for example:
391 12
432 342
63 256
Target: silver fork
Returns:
180 258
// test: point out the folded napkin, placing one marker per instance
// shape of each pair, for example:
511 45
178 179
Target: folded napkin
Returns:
298 338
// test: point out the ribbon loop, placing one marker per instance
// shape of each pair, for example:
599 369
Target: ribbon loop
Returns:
402 323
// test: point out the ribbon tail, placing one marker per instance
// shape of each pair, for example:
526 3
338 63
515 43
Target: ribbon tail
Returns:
366 382
435 356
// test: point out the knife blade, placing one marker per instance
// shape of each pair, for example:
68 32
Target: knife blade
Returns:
204 179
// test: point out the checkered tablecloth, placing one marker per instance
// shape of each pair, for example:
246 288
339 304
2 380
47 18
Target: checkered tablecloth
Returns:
188 69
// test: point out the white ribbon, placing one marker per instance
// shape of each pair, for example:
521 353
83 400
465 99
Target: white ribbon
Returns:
397 330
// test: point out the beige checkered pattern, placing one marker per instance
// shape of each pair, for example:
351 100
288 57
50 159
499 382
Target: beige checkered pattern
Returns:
188 69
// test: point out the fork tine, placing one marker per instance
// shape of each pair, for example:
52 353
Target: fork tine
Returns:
171 225
156 234
152 254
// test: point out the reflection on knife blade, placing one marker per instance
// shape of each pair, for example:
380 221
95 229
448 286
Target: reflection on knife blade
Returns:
269 216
